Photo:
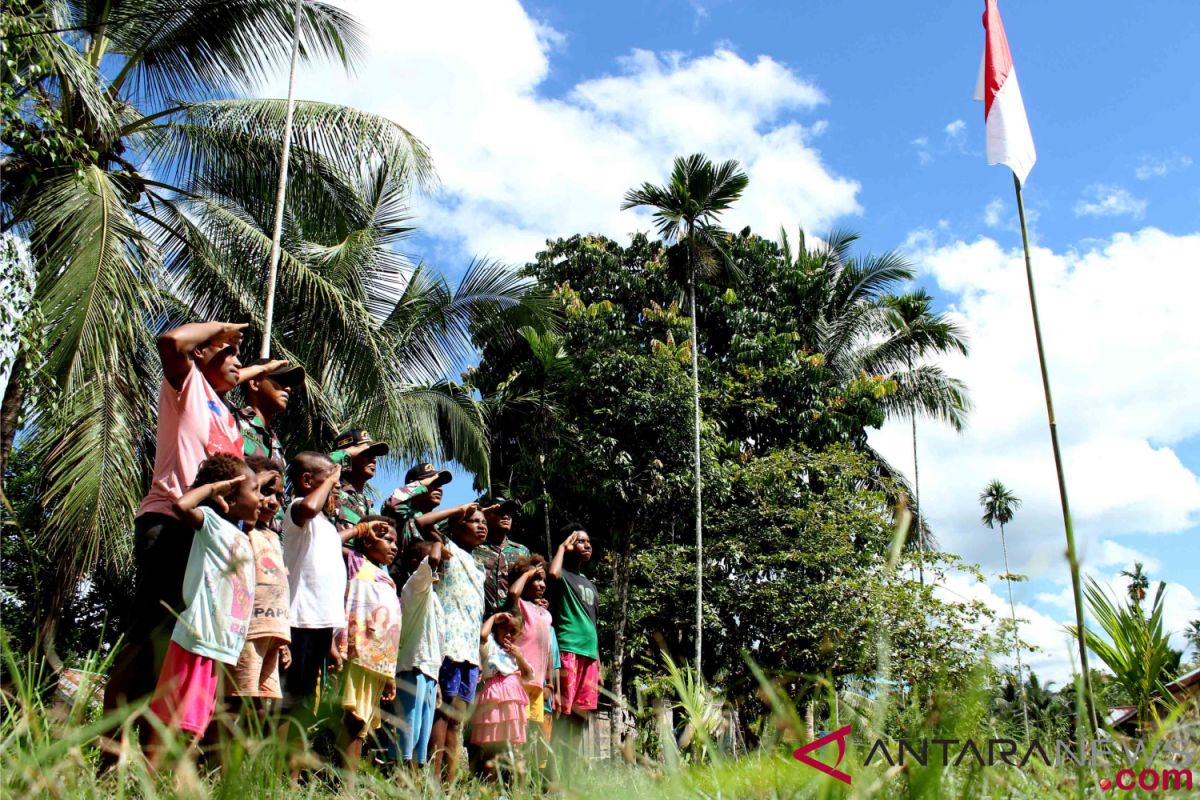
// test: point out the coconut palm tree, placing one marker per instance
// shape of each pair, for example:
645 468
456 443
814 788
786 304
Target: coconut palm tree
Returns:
910 316
1139 582
999 507
686 212
155 211
1192 634
853 315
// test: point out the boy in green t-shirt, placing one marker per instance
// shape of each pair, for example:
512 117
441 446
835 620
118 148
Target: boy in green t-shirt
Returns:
574 602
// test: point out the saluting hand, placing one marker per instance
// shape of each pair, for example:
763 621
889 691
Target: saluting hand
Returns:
218 490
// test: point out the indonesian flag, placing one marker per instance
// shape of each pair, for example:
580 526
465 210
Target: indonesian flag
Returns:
1009 140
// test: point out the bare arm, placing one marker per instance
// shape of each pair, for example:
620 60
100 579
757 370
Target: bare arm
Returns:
314 501
431 518
437 555
188 506
556 565
176 345
526 670
364 530
517 587
250 373
486 630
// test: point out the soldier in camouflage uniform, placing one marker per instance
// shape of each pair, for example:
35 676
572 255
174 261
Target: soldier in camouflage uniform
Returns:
497 555
356 453
266 398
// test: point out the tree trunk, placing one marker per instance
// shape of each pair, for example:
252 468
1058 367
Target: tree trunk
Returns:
622 570
917 487
698 479
1016 631
10 411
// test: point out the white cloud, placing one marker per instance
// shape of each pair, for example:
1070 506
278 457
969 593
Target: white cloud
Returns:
1122 401
1152 167
522 159
1102 200
1052 657
994 214
954 141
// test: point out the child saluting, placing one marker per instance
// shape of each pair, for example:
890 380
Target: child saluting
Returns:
218 594
371 640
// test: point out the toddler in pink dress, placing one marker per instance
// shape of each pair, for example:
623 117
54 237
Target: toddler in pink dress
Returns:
499 720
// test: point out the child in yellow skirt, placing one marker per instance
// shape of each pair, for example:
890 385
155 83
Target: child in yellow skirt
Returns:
499 721
371 640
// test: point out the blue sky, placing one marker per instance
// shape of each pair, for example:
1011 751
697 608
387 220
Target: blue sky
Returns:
860 115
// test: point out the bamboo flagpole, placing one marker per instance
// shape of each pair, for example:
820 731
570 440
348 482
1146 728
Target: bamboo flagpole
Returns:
281 187
1010 142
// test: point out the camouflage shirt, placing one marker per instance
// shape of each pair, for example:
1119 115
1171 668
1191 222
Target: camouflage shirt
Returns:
496 560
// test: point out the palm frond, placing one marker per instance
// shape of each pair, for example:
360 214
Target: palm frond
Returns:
930 391
241 138
175 49
97 271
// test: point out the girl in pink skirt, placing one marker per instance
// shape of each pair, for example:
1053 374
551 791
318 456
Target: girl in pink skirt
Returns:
499 721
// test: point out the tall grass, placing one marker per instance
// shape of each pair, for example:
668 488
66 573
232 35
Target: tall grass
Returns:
52 749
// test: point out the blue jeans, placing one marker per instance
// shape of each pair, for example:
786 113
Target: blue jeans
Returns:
416 700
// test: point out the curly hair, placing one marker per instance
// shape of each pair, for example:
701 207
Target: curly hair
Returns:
218 467
523 563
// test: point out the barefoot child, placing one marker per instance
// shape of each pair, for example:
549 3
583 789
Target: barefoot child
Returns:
574 602
312 553
421 651
370 642
256 676
461 593
218 593
499 722
526 586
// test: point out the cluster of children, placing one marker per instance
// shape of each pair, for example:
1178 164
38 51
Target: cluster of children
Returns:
427 621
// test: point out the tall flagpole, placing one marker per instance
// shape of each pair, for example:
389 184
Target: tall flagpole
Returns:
1072 559
281 187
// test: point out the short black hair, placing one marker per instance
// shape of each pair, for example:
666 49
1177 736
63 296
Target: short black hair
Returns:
218 467
306 461
568 529
261 463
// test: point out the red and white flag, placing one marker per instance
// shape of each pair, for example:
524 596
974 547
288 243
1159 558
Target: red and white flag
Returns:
1009 140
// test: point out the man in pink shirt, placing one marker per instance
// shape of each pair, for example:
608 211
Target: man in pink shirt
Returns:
200 364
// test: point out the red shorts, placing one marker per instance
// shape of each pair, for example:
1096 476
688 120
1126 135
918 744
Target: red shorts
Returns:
186 695
578 684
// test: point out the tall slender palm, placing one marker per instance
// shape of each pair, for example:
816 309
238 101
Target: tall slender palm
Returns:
686 212
999 507
161 212
1139 582
911 316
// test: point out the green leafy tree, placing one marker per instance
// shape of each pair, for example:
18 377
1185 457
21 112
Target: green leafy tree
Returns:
999 507
153 210
849 314
686 212
1135 646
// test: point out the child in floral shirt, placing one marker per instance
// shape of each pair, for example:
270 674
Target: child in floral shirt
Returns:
371 640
